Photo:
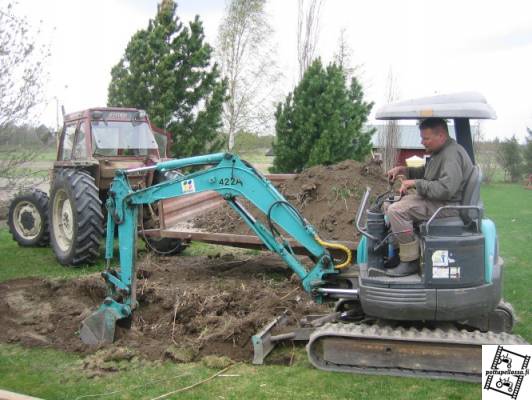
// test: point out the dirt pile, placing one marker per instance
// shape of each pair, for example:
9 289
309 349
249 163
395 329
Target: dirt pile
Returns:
327 196
190 307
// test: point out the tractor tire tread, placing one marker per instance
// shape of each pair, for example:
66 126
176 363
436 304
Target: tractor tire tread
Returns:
89 217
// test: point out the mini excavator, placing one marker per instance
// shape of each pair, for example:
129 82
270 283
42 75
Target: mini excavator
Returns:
428 324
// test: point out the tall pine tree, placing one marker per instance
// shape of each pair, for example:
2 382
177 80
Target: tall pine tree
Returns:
322 121
166 70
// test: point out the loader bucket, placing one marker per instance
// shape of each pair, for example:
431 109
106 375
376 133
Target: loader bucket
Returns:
99 327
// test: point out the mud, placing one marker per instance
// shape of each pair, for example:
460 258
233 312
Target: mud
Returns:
327 196
190 307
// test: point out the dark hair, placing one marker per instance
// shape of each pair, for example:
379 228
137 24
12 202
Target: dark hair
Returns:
434 123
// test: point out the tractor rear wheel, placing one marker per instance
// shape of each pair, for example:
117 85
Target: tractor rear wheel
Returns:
76 219
28 219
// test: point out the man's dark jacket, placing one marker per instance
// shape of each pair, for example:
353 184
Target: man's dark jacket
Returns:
444 175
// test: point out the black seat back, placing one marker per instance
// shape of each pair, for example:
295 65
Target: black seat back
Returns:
471 195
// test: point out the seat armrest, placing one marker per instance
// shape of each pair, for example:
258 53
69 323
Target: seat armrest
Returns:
454 207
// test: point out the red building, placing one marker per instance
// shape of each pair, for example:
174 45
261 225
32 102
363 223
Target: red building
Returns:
408 143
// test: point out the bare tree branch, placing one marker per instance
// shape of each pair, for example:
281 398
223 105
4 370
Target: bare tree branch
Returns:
21 88
308 19
343 57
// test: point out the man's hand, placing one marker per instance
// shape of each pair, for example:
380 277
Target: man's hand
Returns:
405 185
392 174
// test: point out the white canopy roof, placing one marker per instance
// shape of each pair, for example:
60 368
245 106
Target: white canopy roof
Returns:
457 105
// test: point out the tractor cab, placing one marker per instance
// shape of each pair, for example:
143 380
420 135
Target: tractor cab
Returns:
459 275
101 140
106 132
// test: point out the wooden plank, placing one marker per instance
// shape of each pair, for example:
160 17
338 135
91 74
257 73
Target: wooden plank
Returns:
5 395
243 241
181 203
181 208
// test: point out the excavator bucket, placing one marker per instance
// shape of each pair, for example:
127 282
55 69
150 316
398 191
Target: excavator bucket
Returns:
99 327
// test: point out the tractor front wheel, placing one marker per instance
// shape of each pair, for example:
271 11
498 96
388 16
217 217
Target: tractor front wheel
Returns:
28 219
76 219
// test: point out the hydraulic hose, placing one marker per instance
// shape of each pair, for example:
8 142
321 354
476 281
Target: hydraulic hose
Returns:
337 246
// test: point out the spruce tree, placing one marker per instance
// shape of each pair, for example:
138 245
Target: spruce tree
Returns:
322 121
166 70
528 152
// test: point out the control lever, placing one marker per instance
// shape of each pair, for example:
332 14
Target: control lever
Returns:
360 211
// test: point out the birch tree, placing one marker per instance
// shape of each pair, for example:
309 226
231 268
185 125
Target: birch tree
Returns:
247 58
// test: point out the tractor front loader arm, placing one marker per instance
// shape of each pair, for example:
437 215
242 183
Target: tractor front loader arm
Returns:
231 178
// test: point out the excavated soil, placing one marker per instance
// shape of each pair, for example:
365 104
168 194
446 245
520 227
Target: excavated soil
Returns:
190 307
327 196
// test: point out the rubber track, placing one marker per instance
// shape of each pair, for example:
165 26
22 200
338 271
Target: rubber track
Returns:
363 331
41 199
88 208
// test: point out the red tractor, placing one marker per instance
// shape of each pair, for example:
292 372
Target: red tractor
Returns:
94 143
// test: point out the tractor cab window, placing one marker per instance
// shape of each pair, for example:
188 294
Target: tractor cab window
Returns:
114 138
68 141
80 145
162 142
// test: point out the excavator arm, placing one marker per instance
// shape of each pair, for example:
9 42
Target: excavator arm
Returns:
232 178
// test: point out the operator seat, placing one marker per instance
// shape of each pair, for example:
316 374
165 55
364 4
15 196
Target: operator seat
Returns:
468 220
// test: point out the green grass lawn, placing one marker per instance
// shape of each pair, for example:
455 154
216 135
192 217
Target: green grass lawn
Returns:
55 375
41 154
510 206
52 374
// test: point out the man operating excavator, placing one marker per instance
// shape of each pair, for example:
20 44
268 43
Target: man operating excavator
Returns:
440 182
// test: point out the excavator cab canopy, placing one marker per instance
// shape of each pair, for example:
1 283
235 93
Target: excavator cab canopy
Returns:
460 107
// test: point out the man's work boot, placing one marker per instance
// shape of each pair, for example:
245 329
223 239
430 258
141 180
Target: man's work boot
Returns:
392 261
409 256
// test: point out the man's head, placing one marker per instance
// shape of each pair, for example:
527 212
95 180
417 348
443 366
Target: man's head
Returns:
434 134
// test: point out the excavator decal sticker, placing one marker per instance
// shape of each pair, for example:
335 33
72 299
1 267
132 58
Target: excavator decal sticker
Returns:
188 186
441 265
440 258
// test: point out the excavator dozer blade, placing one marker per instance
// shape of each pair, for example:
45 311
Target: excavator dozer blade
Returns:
99 327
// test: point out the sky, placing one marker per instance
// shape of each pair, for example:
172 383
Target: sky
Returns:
431 47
